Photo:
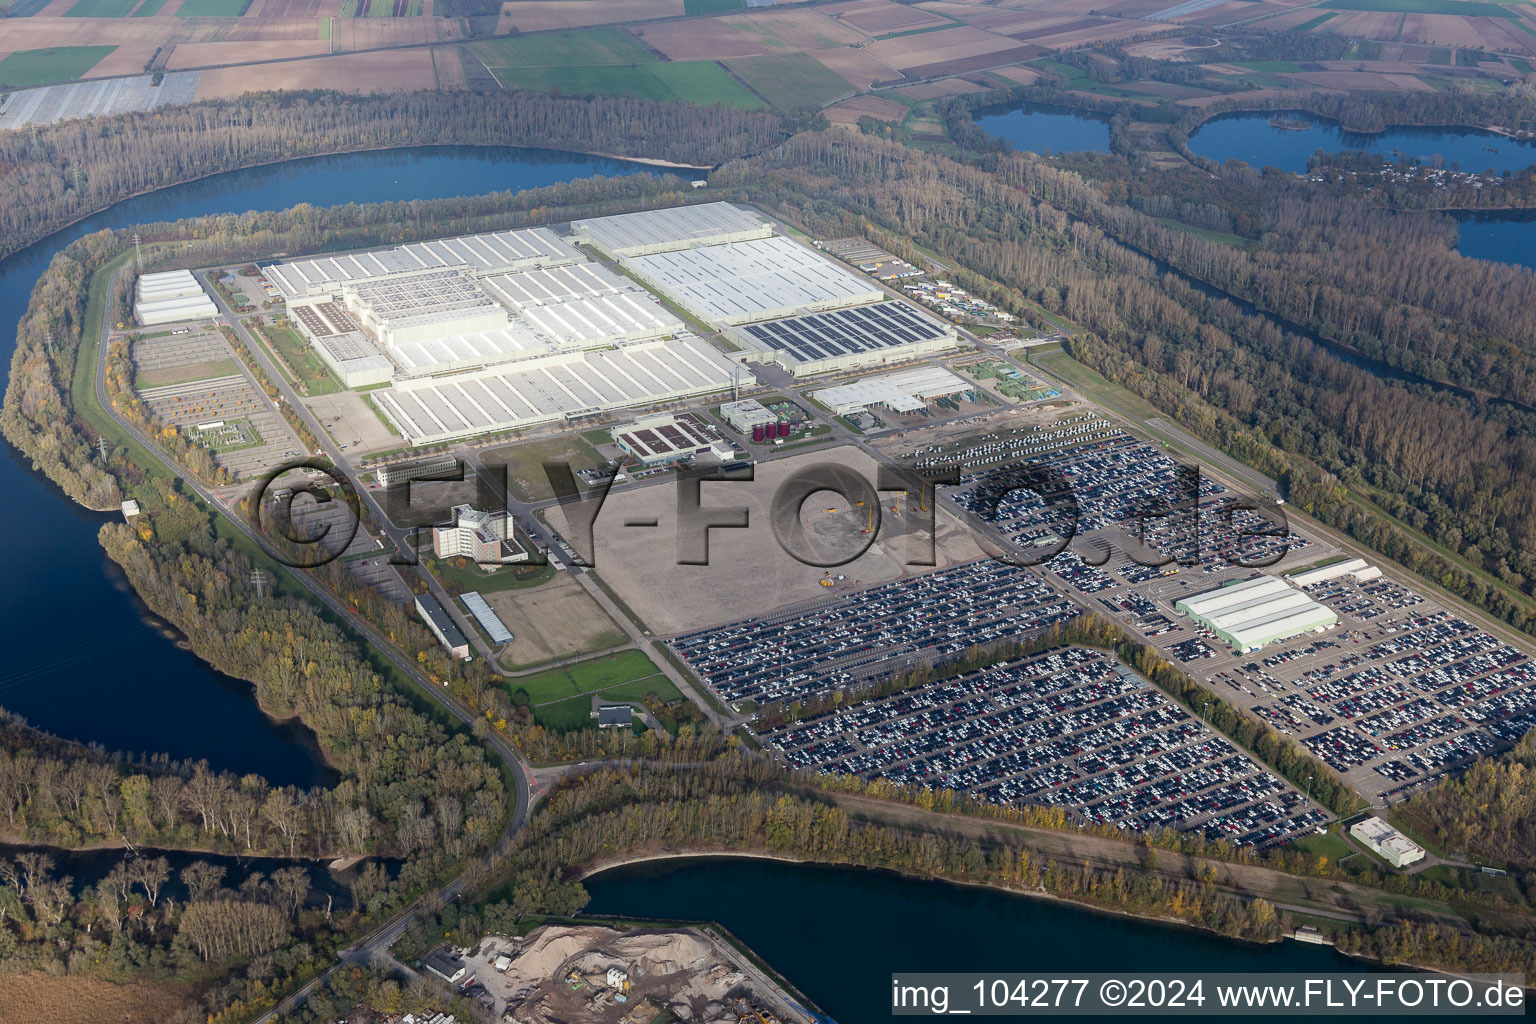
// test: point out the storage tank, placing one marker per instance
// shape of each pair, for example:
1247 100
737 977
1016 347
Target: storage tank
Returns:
757 432
783 428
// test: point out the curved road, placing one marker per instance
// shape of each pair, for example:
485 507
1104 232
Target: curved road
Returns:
378 941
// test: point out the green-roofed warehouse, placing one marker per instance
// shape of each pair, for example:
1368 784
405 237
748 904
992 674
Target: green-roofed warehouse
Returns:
1248 614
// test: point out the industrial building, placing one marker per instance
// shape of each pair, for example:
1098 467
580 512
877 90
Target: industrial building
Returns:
907 391
442 625
487 538
418 306
746 414
561 385
1262 610
488 619
584 305
663 438
874 335
614 716
1392 846
169 297
654 231
745 282
437 467
354 360
499 252
1359 568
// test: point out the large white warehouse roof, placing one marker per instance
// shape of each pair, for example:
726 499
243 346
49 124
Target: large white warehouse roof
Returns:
496 252
1251 613
744 282
564 384
652 231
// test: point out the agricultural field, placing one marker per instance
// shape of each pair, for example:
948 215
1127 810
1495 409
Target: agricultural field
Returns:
379 71
882 17
712 6
791 80
212 8
100 9
748 35
597 47
59 64
543 15
39 998
696 81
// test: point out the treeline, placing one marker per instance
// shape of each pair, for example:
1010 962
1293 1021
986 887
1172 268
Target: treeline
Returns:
740 805
1490 810
64 795
69 170
145 922
408 786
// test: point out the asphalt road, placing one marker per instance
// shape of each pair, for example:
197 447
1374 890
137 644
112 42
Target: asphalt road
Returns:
378 941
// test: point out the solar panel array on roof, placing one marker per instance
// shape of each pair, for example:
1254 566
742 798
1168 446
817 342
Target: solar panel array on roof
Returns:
842 333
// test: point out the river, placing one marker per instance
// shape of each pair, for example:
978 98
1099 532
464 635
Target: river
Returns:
82 660
838 934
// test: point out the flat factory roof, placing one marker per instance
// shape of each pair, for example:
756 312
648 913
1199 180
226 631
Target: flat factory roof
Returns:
846 332
480 348
907 391
677 227
1256 611
494 252
555 386
742 282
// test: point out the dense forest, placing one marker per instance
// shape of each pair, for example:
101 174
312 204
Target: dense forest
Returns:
75 168
227 936
408 787
1490 810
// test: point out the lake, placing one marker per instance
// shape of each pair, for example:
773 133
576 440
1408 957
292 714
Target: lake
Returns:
838 934
1042 129
1251 138
81 660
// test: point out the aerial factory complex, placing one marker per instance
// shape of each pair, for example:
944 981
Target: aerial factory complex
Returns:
488 333
702 334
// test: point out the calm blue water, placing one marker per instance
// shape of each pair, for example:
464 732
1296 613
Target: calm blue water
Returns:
1506 236
1249 137
839 934
80 661
1047 130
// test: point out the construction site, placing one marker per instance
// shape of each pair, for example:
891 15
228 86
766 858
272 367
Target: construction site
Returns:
586 974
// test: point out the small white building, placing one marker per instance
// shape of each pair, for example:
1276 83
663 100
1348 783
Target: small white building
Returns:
1393 847
617 978
746 414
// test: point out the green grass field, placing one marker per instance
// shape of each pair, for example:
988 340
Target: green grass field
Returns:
212 8
594 47
609 671
149 8
100 9
301 359
790 80
59 64
1272 66
381 8
702 82
712 6
508 577
1462 8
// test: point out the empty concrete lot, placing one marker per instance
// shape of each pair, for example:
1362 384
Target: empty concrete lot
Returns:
553 620
749 572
